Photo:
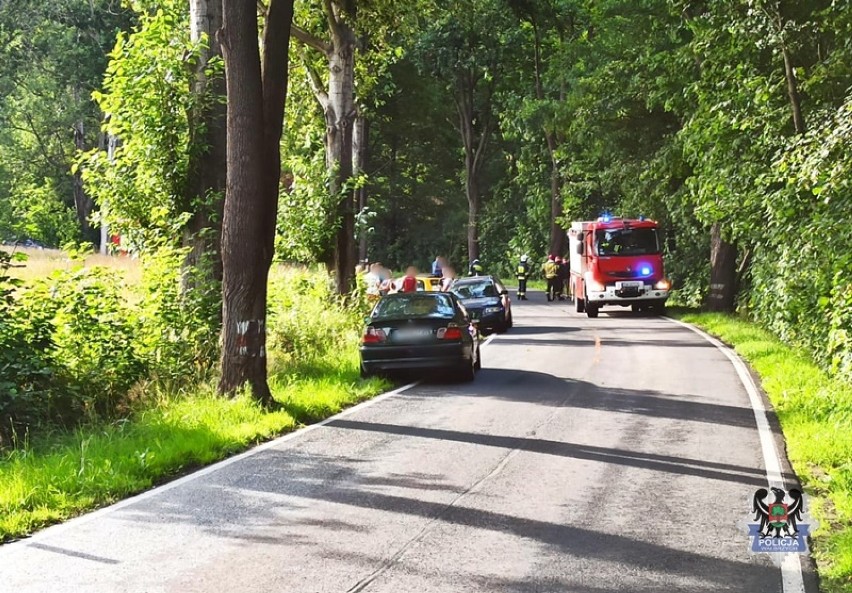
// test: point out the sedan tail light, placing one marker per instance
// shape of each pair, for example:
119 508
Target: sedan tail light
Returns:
449 333
373 335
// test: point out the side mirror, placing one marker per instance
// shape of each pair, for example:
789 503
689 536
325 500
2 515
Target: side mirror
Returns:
581 248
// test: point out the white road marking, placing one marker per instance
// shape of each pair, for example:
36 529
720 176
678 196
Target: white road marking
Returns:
77 521
56 529
791 567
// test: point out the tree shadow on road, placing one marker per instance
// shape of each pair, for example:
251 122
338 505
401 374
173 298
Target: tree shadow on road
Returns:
650 461
549 390
633 555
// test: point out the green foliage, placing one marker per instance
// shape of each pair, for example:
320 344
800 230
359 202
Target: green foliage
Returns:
35 212
75 345
178 426
24 368
68 350
308 322
142 187
52 56
178 333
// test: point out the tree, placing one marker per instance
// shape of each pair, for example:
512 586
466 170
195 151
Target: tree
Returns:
257 92
464 47
142 186
207 168
52 56
552 24
337 99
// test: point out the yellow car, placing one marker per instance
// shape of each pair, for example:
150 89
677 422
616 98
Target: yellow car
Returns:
424 284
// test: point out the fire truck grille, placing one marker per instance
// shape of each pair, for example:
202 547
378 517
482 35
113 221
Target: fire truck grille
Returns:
625 274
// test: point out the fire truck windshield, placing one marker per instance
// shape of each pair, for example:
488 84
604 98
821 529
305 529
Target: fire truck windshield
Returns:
627 241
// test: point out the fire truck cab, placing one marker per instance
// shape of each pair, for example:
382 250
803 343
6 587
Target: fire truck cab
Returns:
617 261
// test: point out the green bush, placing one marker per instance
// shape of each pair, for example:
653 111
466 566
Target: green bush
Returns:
25 367
68 350
307 320
179 317
74 344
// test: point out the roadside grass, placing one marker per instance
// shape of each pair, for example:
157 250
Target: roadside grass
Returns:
815 411
65 475
170 428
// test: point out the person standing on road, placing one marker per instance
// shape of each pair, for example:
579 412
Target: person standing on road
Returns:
562 277
438 266
523 273
551 274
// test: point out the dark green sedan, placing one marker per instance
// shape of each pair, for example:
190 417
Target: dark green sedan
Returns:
420 331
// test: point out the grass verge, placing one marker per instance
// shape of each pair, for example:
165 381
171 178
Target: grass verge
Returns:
815 411
67 474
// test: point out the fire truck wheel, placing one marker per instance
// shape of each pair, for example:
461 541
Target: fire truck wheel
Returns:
592 311
579 304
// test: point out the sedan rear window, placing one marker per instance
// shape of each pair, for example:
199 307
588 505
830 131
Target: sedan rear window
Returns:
413 306
475 290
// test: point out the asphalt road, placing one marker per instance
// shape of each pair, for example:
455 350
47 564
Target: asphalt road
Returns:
614 454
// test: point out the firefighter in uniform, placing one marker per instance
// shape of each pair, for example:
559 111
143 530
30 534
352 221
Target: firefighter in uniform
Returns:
523 272
551 274
476 268
562 277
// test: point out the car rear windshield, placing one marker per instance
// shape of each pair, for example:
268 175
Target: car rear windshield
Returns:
413 306
475 290
627 241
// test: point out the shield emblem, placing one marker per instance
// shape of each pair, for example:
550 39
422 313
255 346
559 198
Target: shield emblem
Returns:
778 514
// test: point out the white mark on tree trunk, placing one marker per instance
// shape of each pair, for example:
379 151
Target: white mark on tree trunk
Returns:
250 342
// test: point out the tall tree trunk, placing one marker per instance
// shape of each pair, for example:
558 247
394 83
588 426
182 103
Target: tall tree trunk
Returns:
111 146
207 168
723 272
793 91
360 156
475 130
474 206
256 94
339 120
83 203
557 233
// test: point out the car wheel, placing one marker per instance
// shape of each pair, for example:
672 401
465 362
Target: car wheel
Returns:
658 308
365 374
592 311
510 322
579 304
478 365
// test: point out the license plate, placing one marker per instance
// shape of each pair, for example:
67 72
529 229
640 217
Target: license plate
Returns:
411 334
629 285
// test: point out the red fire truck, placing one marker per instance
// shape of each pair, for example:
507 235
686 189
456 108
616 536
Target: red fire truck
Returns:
617 261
